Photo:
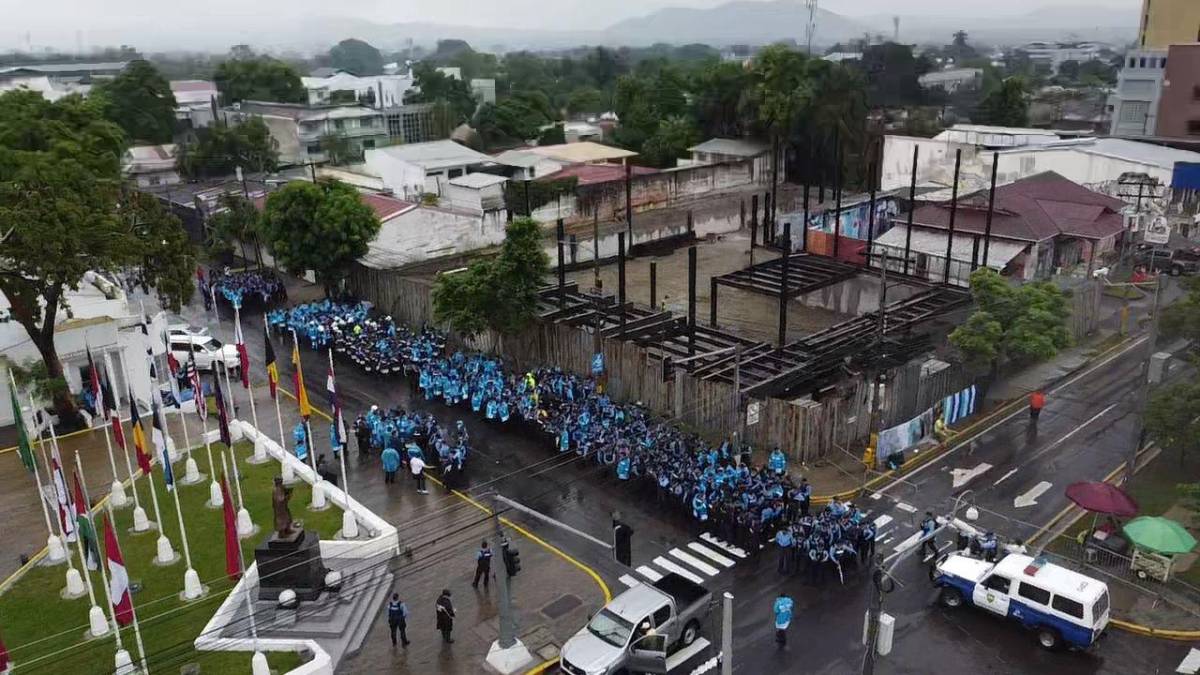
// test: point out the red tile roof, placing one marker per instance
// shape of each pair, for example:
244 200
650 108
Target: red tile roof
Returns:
1032 209
384 207
591 174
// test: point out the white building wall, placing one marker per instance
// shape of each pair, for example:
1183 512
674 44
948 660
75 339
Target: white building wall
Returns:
405 180
935 161
1087 169
426 233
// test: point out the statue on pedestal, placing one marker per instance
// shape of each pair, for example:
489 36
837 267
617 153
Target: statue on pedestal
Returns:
283 515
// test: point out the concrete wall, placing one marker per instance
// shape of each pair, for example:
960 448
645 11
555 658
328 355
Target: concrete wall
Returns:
1178 109
660 190
405 180
426 233
1087 169
935 161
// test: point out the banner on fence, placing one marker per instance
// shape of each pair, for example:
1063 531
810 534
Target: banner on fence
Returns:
954 408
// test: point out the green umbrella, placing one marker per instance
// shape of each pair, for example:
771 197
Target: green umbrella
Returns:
1159 534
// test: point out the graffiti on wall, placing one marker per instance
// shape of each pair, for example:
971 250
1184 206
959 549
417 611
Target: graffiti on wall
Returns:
855 219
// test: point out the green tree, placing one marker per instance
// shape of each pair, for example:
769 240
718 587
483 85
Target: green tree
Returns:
432 86
140 101
891 72
552 135
1173 417
586 100
64 212
1007 105
258 79
718 94
356 56
218 150
499 293
1012 324
511 120
670 142
236 223
322 227
1181 319
338 149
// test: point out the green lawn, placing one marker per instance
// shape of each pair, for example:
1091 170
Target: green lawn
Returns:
37 624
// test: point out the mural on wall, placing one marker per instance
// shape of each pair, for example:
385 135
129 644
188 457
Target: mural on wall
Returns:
855 219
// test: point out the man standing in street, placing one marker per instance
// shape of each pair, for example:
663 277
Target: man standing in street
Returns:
445 616
483 565
783 617
928 525
1037 401
391 463
417 465
397 613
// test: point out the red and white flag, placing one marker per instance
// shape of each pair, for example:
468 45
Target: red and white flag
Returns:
66 510
118 578
233 551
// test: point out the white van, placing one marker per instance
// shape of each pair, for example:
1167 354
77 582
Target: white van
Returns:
1063 606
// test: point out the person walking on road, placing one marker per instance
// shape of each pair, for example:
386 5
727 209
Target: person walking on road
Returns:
417 466
397 613
483 565
445 616
783 617
928 543
391 464
1037 401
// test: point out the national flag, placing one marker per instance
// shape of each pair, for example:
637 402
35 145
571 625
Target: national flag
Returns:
233 554
24 450
173 367
94 386
172 364
222 413
118 430
66 510
83 518
139 436
118 578
110 400
4 662
298 381
200 274
160 444
242 352
272 369
339 423
193 374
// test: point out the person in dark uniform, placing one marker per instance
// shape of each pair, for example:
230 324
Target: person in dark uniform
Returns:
397 613
445 616
928 543
483 565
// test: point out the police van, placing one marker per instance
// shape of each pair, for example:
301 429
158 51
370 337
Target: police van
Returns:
1064 607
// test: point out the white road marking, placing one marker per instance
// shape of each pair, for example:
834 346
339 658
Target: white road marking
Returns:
883 520
1190 664
710 664
649 573
965 442
710 554
672 567
1071 433
681 657
629 581
1029 498
960 477
728 548
913 540
876 495
1005 477
885 541
695 562
905 507
884 533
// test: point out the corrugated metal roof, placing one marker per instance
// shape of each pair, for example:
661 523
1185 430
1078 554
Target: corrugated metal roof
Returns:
432 155
738 147
933 242
582 152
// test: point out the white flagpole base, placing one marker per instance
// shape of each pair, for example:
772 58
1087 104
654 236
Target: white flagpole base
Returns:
98 622
245 526
140 522
216 499
260 455
349 525
191 472
75 587
318 502
117 495
55 553
166 554
122 664
191 585
172 450
289 474
258 664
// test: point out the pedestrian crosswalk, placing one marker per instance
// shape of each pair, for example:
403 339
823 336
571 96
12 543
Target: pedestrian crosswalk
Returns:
698 561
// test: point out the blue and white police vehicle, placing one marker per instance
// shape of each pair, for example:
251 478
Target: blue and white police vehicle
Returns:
1064 608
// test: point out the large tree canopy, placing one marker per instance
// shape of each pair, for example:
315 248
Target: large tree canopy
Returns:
258 79
432 85
1012 324
219 149
356 56
1006 105
140 101
321 227
64 212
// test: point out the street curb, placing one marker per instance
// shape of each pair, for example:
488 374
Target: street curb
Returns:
943 448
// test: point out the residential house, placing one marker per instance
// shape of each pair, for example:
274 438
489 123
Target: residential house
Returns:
523 165
1040 225
718 150
1179 104
475 192
150 165
579 132
415 169
583 152
412 233
953 79
377 91
1049 56
195 102
484 89
298 128
412 123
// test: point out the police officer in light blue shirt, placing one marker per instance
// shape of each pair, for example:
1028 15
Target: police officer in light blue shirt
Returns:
785 541
623 467
700 507
777 462
783 617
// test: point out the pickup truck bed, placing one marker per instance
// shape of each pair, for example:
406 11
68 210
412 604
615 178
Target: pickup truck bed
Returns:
684 591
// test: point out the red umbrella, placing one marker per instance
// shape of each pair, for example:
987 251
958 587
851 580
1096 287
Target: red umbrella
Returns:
1103 498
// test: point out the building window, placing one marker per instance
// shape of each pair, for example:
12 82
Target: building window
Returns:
455 173
368 144
1132 62
1134 112
339 124
313 148
1142 62
1193 127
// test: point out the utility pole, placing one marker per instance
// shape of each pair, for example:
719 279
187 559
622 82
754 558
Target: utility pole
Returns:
507 654
737 395
727 634
1140 425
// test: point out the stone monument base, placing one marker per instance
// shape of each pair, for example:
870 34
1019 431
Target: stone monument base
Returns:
290 562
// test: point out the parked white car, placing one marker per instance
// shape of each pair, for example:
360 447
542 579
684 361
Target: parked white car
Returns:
208 350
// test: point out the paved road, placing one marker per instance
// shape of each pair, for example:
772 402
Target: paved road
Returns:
1084 432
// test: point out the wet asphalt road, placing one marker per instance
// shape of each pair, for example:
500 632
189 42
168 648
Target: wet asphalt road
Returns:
1083 434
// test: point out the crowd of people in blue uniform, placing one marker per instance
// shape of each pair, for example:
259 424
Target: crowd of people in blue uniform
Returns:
264 285
374 343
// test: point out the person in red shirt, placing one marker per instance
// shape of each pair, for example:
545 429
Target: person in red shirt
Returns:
1037 401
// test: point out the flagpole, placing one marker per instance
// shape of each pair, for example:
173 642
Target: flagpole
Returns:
74 587
260 452
215 499
191 580
165 554
141 523
137 631
54 547
117 491
118 486
99 624
318 490
191 472
123 665
289 476
349 522
245 526
258 662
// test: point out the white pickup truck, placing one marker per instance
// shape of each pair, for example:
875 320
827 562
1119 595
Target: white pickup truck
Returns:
635 629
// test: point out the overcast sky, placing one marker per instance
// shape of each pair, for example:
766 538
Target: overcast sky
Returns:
56 22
